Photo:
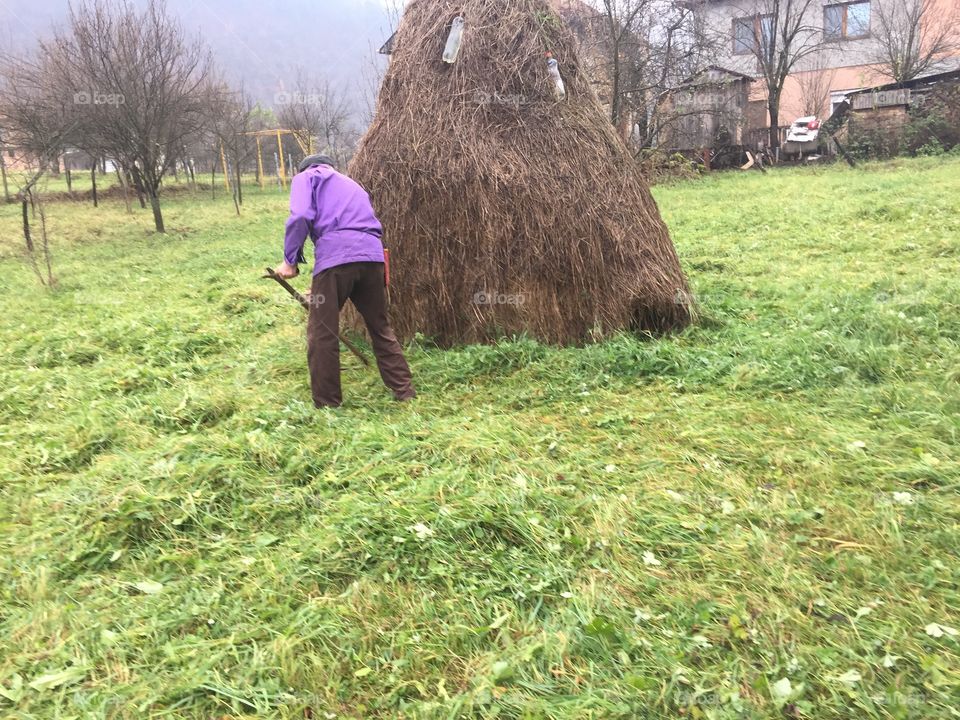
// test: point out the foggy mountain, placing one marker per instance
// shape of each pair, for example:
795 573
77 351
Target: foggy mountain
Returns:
258 44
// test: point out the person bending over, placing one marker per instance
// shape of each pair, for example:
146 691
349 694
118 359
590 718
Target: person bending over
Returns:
336 213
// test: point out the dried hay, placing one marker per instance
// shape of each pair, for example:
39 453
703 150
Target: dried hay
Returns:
508 210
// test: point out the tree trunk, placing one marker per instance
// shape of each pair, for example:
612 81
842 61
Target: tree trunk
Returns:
238 175
126 191
3 172
234 190
69 180
26 225
45 239
157 214
774 110
137 181
93 182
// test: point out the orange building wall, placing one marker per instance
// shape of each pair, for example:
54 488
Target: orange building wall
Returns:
798 89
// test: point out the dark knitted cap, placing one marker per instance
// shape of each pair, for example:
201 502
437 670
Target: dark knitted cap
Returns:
312 160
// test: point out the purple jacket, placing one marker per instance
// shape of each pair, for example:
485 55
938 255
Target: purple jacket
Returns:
335 212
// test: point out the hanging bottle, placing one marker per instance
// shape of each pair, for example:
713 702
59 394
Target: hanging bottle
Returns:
454 41
554 69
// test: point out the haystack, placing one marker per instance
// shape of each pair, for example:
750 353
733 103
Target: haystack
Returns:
507 209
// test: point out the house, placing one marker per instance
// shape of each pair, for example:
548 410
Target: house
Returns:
842 47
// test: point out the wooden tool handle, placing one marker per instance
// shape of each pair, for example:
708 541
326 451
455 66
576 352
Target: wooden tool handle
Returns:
271 273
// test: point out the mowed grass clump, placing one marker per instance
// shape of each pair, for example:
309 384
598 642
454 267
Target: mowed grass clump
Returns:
757 518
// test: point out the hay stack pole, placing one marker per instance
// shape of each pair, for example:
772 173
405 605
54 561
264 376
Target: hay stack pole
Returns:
507 210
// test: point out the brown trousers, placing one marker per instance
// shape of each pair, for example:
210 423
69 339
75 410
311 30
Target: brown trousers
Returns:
363 284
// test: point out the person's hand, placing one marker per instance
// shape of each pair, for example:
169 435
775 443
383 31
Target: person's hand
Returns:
286 270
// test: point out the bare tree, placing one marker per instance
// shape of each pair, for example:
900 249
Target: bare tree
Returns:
627 26
912 36
815 85
780 34
316 111
234 117
640 52
31 205
33 112
137 86
34 116
40 259
42 110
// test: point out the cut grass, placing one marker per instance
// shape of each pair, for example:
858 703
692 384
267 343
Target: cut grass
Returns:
704 525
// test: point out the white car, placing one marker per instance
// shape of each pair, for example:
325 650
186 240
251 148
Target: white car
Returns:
803 136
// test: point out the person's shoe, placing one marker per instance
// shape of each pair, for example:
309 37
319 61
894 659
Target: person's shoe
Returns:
406 396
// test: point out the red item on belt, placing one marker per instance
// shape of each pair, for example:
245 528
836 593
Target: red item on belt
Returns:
386 267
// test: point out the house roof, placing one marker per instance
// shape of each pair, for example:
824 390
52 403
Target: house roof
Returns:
931 78
387 48
716 68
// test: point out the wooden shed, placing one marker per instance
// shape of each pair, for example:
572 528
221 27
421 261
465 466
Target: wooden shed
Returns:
711 110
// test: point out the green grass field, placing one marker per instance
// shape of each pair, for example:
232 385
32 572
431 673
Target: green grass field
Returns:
757 518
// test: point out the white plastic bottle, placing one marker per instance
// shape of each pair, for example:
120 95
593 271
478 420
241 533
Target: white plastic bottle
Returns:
554 69
454 41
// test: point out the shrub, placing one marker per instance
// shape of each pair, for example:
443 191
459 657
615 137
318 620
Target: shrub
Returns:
868 142
932 149
932 128
935 123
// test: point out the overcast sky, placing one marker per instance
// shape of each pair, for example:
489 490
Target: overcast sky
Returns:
257 42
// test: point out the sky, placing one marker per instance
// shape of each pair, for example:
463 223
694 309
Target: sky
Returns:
256 43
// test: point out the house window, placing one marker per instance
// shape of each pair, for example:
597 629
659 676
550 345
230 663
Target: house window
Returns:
849 21
749 32
743 36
